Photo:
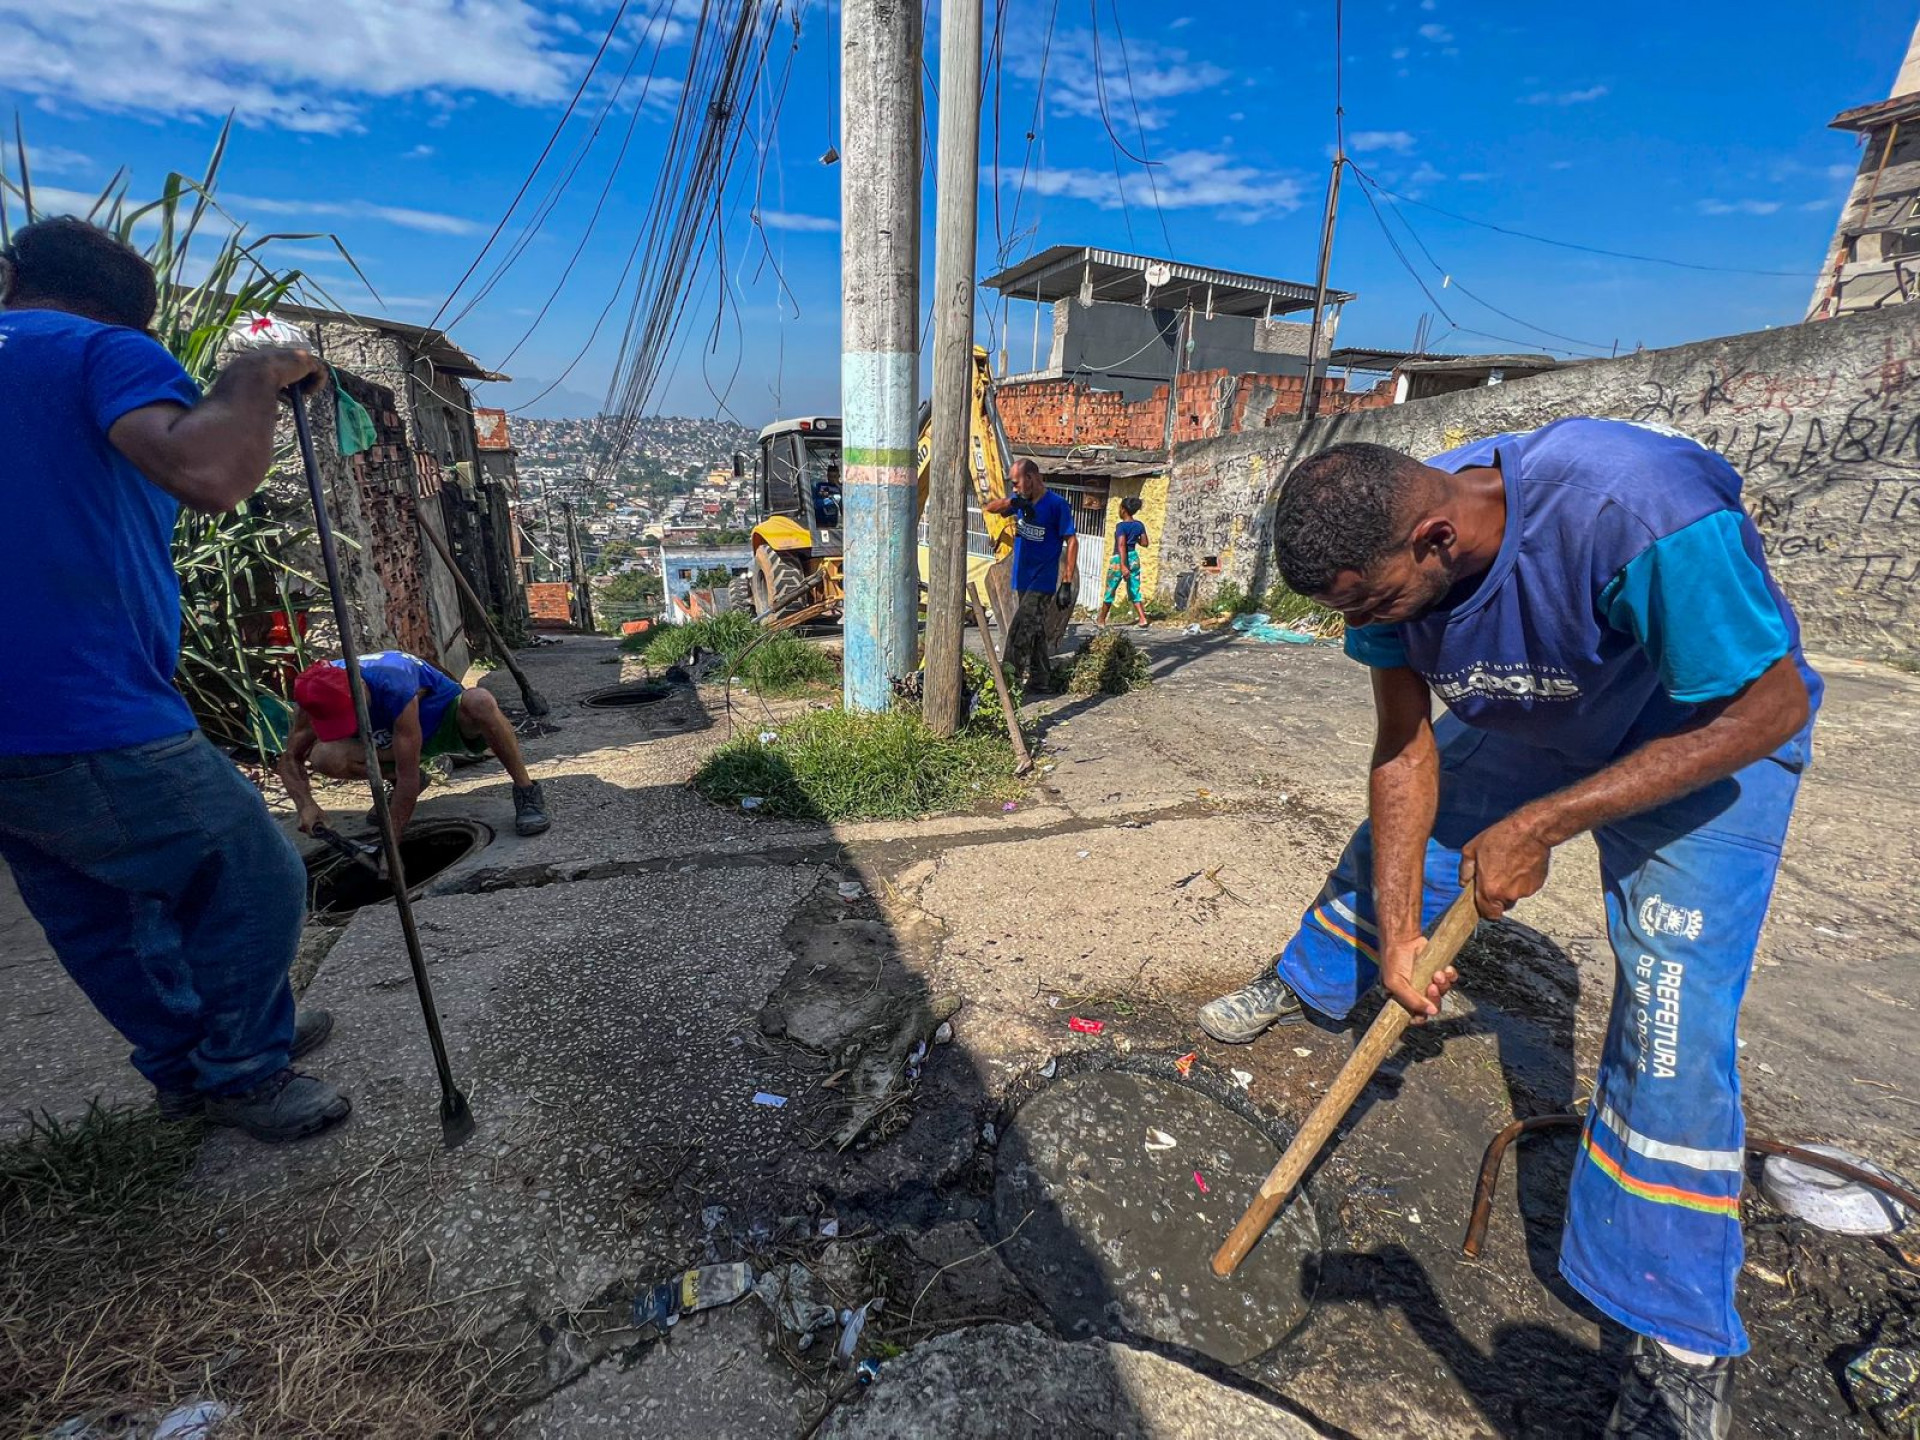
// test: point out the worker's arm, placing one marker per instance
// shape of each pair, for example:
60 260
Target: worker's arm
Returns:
407 780
1070 560
1403 794
292 766
1008 504
1510 859
213 455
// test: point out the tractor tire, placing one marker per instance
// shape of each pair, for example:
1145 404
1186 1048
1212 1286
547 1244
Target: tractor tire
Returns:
740 594
786 582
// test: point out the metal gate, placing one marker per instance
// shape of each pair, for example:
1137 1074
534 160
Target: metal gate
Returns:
1089 501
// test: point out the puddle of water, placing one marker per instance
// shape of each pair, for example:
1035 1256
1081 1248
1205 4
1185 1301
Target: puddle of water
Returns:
1110 1226
337 885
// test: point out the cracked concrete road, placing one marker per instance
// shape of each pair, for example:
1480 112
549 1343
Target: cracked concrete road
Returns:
616 991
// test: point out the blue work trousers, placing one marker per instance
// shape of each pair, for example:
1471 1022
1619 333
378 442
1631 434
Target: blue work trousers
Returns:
171 898
1653 1219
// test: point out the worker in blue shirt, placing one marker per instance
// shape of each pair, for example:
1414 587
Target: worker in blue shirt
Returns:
1591 604
1045 551
163 885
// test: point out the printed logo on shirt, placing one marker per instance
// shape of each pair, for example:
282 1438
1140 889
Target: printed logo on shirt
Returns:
383 739
1032 530
1657 917
1505 682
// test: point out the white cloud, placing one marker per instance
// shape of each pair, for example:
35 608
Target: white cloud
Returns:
1816 204
1844 171
1180 23
1475 177
1186 180
1400 52
420 152
1423 178
45 160
1564 97
1438 34
1146 73
1428 5
805 224
1362 142
432 222
1738 207
1560 165
276 64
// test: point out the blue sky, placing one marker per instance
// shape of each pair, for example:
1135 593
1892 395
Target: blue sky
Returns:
1691 131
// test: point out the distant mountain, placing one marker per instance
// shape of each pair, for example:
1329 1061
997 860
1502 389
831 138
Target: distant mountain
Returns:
561 404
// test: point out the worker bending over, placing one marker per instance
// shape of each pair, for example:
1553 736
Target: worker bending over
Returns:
418 712
1591 603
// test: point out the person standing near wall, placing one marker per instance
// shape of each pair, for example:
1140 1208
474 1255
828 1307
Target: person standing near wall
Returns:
1123 566
1046 549
165 888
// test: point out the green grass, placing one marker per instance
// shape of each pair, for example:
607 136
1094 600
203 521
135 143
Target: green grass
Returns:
840 765
1298 612
1108 664
111 1166
784 664
781 664
1229 598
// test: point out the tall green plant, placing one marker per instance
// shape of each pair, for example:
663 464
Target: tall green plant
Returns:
235 571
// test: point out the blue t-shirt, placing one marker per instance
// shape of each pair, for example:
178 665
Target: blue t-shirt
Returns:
1043 528
89 602
1128 536
1629 589
393 678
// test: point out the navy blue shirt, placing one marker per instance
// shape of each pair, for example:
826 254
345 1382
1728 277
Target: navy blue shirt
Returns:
1128 536
89 602
1044 526
1629 589
394 678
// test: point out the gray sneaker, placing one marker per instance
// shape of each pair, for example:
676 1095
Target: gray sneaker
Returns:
1241 1015
290 1106
310 1031
530 810
1663 1398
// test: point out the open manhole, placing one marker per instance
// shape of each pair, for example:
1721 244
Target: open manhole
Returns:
617 697
1111 1228
336 885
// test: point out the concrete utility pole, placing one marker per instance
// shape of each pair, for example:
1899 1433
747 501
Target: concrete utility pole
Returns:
578 568
879 350
957 195
1310 400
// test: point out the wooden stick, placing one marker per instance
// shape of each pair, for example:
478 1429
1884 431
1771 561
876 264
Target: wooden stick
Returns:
1025 761
535 702
1452 931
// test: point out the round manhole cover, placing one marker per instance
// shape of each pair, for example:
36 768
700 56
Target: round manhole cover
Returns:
1111 1227
618 697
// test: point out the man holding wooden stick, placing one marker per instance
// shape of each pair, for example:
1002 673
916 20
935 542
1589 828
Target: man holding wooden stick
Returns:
1592 605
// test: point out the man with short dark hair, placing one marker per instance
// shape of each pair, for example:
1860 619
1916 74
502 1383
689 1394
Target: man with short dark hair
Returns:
1046 551
162 883
1591 603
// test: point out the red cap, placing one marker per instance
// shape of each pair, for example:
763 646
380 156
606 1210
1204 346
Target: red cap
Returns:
322 691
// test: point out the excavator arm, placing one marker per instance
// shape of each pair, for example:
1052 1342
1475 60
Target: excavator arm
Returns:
990 466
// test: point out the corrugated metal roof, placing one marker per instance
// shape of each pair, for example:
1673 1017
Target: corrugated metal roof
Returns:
435 345
1119 277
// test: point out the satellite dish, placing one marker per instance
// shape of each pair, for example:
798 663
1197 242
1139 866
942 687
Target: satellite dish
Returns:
1158 275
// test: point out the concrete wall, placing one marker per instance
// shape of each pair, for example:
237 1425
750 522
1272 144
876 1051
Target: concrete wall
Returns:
1129 349
1822 419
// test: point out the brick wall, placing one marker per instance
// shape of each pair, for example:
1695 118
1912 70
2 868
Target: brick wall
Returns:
551 602
1209 403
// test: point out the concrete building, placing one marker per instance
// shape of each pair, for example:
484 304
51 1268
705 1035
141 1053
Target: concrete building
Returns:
1874 259
687 581
1131 323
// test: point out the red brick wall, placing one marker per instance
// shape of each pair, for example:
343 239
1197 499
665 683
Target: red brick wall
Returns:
551 602
1208 403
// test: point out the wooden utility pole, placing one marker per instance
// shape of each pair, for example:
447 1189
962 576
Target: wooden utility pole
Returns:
577 569
880 43
957 194
1310 400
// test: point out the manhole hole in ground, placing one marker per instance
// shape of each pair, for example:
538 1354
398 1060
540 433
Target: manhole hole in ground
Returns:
336 884
618 697
1110 1227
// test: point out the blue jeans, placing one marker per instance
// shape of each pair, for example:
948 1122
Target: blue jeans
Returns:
171 898
1653 1214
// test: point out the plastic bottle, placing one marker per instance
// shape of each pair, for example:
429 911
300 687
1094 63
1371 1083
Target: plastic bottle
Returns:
691 1291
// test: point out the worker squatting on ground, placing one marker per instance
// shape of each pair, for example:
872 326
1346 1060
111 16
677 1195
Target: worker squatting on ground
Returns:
1591 603
165 888
1046 551
418 712
1123 565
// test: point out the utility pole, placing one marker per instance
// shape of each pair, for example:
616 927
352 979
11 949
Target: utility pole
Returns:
1310 400
577 569
950 460
880 44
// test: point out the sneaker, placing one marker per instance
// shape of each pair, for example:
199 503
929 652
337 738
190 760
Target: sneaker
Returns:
1665 1398
1241 1015
310 1031
290 1106
530 810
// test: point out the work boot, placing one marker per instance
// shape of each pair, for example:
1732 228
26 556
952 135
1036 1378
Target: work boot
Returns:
310 1031
1241 1015
289 1106
529 810
1664 1398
